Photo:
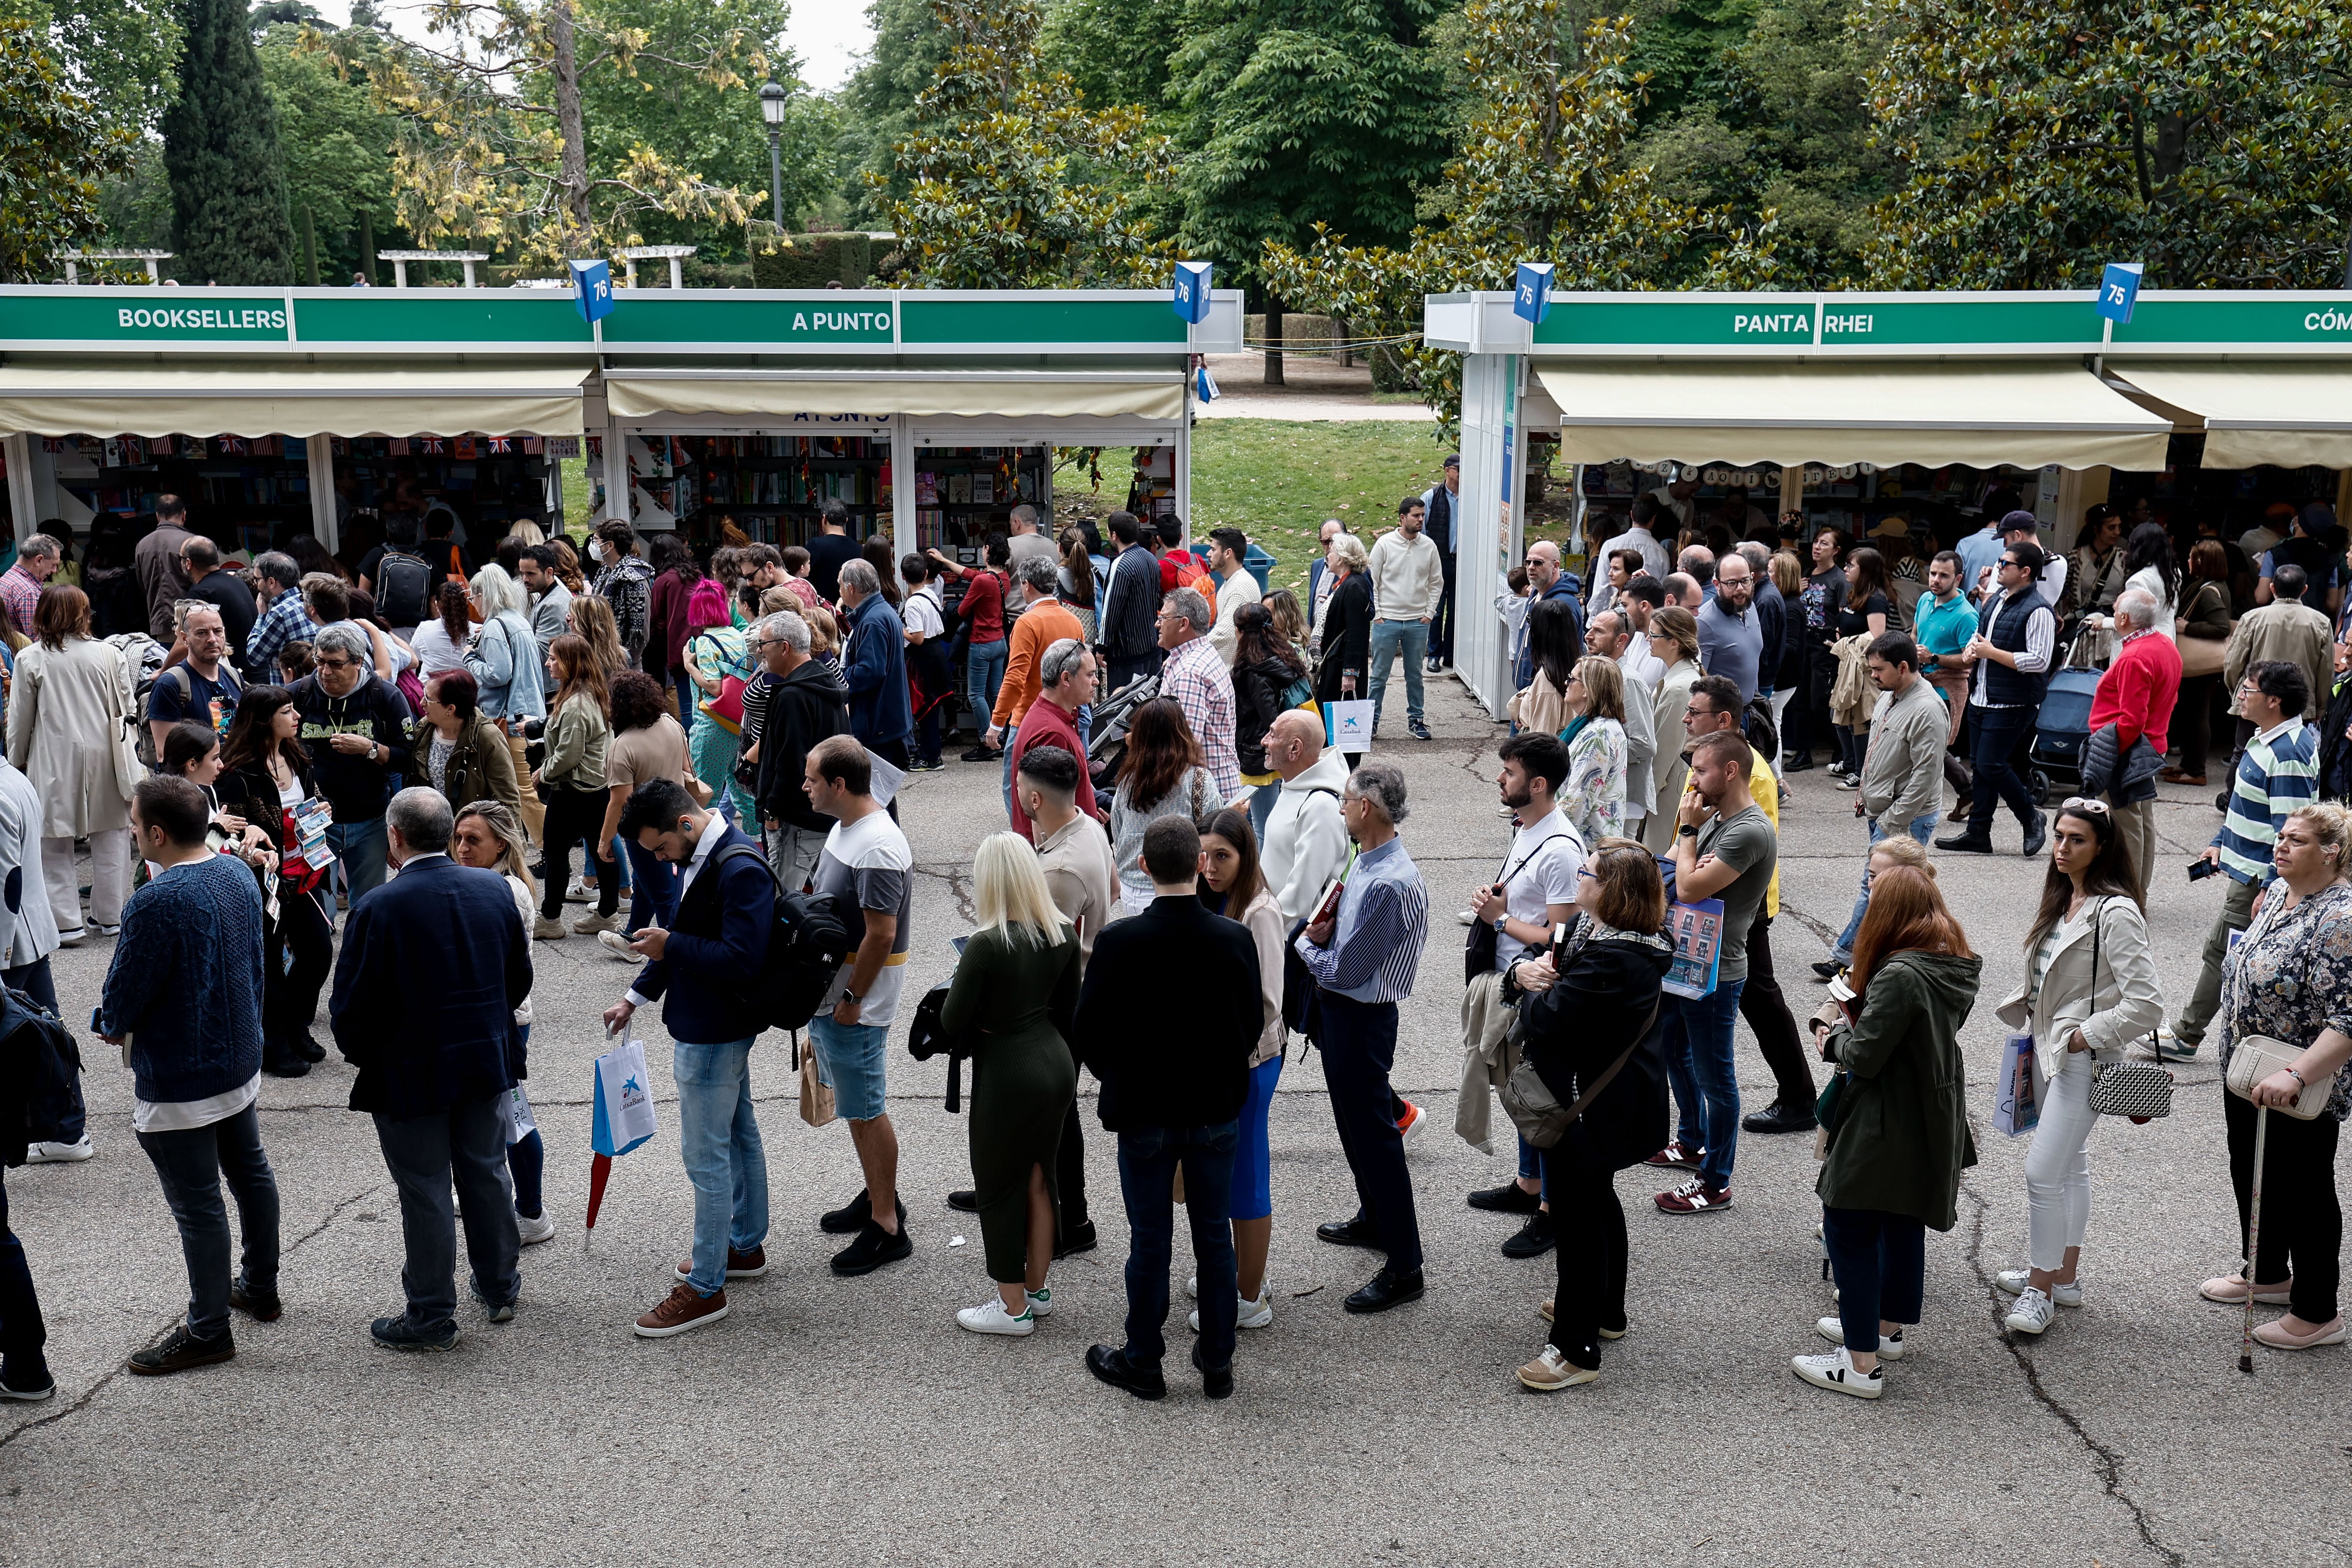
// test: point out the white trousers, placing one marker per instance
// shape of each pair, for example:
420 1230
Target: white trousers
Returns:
2058 1165
109 878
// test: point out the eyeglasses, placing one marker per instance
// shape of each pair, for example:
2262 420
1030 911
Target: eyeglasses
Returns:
2082 802
335 663
1586 872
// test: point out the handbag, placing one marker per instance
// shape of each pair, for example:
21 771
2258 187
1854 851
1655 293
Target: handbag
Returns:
2202 656
1529 1102
2255 1058
2141 1090
816 1095
1479 949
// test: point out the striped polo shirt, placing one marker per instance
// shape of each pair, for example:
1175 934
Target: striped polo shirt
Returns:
2278 774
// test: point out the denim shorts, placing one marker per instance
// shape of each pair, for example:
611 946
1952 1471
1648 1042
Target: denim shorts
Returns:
1253 1164
849 1061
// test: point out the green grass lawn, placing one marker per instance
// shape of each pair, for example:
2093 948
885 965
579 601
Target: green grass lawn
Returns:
1277 480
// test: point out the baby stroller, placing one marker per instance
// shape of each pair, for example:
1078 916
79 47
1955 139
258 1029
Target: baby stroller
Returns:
1107 742
2061 730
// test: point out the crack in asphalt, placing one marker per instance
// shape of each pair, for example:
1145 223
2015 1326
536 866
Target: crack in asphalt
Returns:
958 887
2110 1462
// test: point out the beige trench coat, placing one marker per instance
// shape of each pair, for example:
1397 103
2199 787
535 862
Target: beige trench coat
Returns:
66 731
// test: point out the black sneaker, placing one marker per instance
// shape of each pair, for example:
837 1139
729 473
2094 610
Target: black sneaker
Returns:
1534 1239
984 754
1779 1117
1509 1199
1827 970
1075 1238
873 1248
400 1335
262 1306
849 1218
180 1350
496 1311
1417 730
964 1200
27 1378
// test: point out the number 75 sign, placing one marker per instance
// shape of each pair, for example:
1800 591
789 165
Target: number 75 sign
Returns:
2119 290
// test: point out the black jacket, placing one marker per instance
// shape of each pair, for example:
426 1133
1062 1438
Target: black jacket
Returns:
1165 1063
1258 692
1346 638
804 708
1607 988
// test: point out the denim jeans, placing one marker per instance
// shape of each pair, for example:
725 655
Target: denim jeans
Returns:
1148 1162
464 1147
361 846
192 1164
718 1139
653 889
1012 733
1922 828
1706 1083
1391 638
22 1332
1264 798
983 667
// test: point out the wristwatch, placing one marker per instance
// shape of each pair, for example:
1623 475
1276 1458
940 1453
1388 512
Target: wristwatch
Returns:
853 998
1686 831
1500 921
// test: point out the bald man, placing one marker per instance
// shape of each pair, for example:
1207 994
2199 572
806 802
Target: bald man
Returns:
1547 580
1306 837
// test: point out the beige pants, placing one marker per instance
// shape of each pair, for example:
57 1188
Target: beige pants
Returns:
110 853
535 812
2138 826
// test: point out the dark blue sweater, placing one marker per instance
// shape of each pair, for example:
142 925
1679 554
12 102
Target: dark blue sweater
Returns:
185 982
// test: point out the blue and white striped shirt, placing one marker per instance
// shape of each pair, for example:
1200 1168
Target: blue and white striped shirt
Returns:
1383 920
2278 774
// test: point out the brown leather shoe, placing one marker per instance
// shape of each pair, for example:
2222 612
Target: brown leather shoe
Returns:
2176 775
740 1265
684 1307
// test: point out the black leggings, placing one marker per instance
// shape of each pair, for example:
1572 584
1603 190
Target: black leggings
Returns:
2303 1224
577 816
290 998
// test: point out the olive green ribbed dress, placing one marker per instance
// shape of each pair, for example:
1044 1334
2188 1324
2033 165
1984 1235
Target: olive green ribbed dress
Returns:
1007 992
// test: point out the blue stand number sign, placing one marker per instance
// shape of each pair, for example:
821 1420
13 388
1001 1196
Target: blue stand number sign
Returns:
592 282
1189 288
1531 296
2119 290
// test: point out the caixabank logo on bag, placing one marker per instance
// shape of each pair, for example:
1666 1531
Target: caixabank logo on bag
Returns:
202 319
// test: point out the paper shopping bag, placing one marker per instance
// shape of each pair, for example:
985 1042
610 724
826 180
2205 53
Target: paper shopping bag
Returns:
625 1105
2014 1109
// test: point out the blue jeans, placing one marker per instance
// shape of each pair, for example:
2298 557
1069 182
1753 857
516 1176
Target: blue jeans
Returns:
1012 733
1391 638
1263 800
1147 1161
192 1164
1705 1085
1533 1167
465 1147
718 1139
1922 828
983 669
653 889
361 846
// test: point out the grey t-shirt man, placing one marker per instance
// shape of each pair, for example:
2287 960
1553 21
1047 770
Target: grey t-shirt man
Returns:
1744 842
1731 645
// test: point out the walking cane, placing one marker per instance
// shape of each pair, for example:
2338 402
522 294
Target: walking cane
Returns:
2254 1241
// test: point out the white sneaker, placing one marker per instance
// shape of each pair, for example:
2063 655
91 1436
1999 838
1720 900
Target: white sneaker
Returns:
618 945
1890 1346
534 1231
2013 1281
2032 1312
1836 1372
1040 1302
59 1153
991 1318
1257 1314
1192 1287
103 929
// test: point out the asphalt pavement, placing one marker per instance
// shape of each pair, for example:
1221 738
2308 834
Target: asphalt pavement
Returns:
851 1420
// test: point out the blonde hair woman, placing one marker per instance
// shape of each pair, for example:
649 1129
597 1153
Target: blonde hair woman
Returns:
1593 798
1015 990
488 835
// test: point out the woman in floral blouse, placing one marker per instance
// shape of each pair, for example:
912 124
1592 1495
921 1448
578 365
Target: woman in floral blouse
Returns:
1593 799
2290 977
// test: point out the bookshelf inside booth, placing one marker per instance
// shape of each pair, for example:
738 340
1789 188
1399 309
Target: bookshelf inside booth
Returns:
245 492
963 494
773 484
489 481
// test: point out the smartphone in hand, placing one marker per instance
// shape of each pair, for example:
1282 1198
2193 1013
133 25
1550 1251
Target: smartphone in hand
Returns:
2200 870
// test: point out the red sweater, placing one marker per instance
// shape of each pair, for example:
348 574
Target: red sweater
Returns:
1049 724
2139 690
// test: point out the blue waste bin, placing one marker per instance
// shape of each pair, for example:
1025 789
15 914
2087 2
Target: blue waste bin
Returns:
1257 561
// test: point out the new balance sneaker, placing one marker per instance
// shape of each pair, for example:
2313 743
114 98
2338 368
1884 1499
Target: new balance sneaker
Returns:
59 1153
1836 1372
1678 1156
1890 1346
1695 1197
2171 1048
991 1318
534 1229
684 1307
1410 1124
2032 1312
2013 1281
1551 1371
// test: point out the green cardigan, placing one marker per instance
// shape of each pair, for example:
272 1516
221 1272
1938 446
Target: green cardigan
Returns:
1900 1138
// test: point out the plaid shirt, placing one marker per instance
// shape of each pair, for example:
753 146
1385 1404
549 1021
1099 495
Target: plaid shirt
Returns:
1196 677
284 622
20 594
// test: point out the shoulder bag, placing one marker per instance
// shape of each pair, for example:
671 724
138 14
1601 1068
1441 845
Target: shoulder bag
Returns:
2141 1090
1479 948
1529 1102
2201 656
2255 1057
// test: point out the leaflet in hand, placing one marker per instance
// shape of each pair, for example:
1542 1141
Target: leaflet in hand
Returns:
311 820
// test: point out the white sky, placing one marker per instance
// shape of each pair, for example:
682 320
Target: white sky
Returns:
828 35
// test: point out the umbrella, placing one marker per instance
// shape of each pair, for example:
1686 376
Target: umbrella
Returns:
624 1118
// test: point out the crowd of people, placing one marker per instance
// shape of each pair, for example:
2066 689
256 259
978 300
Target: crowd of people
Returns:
727 742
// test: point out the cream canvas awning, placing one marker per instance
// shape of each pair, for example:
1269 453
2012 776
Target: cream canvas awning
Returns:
307 401
2293 412
966 394
1979 413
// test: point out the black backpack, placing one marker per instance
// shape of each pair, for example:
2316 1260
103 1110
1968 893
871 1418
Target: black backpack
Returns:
814 935
403 587
40 1069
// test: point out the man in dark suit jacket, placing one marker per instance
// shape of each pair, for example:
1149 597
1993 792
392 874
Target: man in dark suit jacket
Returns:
1174 1079
706 967
434 964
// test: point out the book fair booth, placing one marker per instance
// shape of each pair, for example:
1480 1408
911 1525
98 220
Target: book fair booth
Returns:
928 415
1890 416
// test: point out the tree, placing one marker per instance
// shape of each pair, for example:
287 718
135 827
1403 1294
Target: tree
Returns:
877 106
494 143
1300 112
1542 175
337 144
1022 186
122 54
229 219
2039 143
1115 50
54 152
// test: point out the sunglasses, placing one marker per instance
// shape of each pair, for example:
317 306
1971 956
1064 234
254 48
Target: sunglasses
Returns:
2083 804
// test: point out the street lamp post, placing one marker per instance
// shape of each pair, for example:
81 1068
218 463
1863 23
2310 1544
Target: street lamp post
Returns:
771 110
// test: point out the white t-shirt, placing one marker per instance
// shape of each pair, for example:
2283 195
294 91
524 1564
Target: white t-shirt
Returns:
922 613
1539 873
869 861
435 653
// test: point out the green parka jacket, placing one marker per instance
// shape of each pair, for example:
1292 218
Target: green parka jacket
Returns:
1899 1137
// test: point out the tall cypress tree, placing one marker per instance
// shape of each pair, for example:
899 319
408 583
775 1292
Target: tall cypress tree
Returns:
229 222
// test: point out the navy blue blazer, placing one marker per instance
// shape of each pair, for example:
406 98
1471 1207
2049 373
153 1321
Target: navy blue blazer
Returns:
717 940
434 964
